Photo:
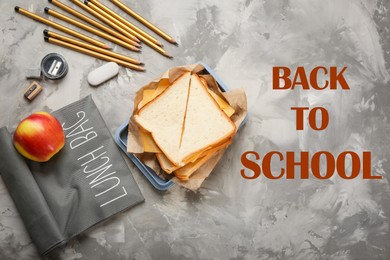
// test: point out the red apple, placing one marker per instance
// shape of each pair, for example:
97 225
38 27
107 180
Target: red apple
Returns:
39 137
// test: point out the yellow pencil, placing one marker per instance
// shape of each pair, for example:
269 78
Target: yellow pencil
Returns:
90 29
104 19
140 34
142 20
93 22
112 19
91 47
92 53
60 27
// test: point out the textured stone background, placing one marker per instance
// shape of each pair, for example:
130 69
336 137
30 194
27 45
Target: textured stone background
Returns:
229 217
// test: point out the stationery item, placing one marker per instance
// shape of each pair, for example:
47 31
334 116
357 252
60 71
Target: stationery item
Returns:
123 26
92 53
87 182
104 19
142 20
60 27
54 66
32 91
140 34
92 30
94 23
111 19
103 73
91 47
34 74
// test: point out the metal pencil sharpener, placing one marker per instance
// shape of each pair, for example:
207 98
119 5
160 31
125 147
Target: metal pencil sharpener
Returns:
54 66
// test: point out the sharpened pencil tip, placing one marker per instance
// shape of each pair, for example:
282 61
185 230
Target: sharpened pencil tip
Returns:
136 39
173 41
166 54
159 44
107 47
142 64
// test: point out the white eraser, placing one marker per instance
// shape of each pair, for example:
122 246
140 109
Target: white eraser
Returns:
103 73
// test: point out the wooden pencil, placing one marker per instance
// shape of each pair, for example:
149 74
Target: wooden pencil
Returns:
90 29
92 53
123 26
91 47
140 34
60 27
142 20
94 22
104 19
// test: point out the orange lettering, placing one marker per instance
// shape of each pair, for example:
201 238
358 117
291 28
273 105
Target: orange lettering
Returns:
300 113
334 78
367 167
314 78
355 165
316 165
324 118
251 165
291 163
303 80
276 77
267 171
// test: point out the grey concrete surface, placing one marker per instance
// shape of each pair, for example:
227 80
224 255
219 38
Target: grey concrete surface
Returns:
230 217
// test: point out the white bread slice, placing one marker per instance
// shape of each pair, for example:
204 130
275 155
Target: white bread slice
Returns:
163 117
185 120
205 123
